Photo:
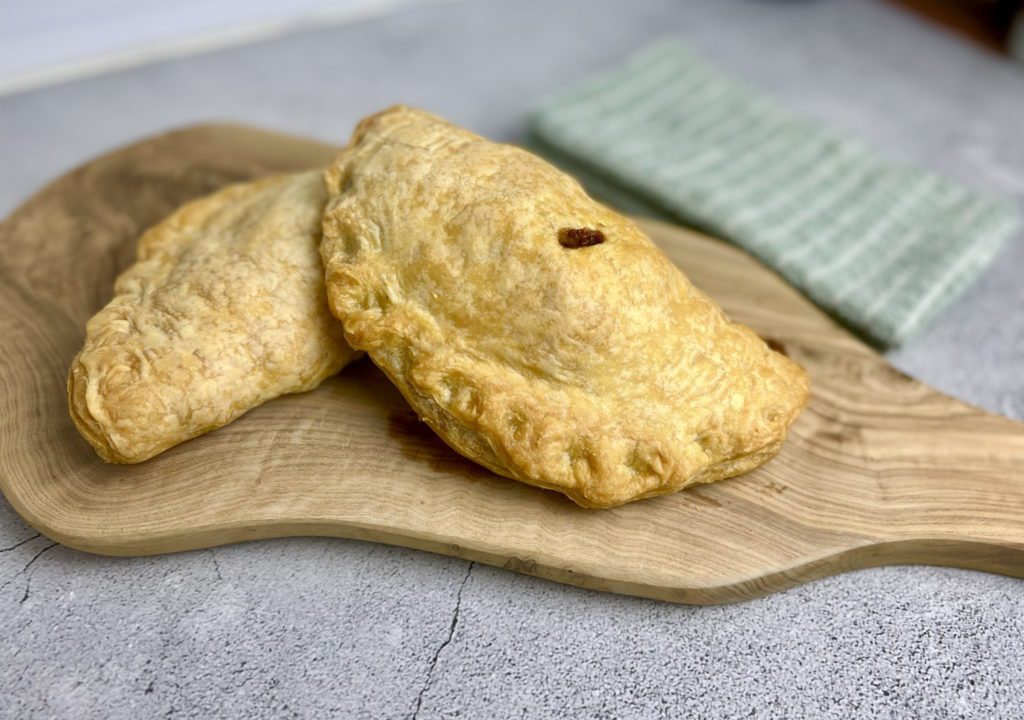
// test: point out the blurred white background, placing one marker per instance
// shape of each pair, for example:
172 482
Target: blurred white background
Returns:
46 41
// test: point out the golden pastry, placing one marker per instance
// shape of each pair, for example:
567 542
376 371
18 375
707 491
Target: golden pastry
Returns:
223 310
536 331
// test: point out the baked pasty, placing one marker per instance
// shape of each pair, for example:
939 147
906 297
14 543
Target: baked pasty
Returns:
223 310
537 332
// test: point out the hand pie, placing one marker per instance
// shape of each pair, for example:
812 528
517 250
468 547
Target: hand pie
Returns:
223 310
539 333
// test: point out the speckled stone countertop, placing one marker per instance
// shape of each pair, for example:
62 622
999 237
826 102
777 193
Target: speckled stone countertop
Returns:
333 628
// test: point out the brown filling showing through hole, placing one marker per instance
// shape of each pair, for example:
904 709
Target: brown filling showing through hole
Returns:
775 345
573 238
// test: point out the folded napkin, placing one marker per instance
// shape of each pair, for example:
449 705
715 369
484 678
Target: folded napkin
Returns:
880 246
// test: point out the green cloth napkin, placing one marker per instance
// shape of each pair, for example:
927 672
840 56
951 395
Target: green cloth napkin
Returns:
880 246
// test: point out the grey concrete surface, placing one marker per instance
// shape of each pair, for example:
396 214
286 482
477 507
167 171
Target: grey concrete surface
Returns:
331 628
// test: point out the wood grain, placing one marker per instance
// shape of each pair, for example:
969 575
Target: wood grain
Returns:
880 469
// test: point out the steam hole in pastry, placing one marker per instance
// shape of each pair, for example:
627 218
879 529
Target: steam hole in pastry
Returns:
573 238
775 345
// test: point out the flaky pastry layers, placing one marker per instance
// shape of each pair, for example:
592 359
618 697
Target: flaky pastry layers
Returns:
536 331
223 310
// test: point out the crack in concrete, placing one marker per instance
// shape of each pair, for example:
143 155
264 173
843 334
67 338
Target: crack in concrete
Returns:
25 569
18 545
216 563
444 643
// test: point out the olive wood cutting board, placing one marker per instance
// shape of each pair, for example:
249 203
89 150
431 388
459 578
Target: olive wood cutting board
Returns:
879 469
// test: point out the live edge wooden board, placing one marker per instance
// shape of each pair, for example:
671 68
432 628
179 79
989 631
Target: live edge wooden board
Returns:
880 469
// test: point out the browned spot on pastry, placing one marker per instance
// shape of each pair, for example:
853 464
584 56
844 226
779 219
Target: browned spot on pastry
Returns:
573 238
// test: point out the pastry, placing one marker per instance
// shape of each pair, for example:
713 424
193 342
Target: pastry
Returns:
223 310
539 333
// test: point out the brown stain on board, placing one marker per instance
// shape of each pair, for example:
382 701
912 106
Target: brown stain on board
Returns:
697 496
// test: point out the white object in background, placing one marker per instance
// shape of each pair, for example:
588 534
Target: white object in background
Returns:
42 43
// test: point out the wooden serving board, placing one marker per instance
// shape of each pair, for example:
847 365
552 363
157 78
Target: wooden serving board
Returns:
880 469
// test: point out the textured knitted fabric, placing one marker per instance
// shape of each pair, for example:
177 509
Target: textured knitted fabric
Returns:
880 246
